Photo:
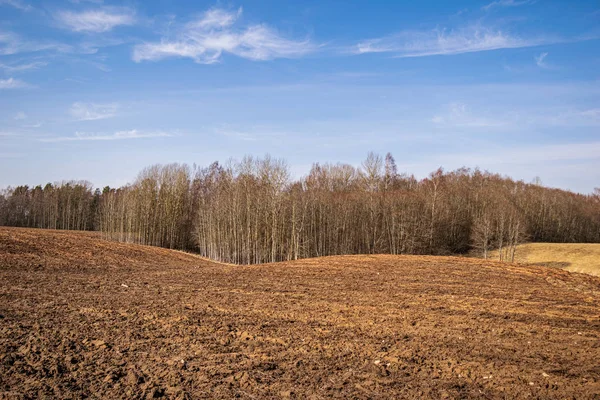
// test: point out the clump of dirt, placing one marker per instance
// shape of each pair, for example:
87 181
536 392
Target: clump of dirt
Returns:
85 317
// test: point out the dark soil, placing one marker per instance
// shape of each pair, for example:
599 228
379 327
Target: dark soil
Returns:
83 317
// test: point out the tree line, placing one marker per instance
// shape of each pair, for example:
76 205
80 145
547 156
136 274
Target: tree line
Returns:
252 211
65 205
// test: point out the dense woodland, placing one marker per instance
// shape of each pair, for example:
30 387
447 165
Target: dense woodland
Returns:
252 211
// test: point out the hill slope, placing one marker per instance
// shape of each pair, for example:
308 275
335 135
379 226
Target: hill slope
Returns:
81 316
574 257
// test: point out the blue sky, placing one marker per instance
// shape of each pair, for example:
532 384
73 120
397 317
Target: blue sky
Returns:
97 90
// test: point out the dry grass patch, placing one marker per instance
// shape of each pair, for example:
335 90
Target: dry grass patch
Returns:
574 257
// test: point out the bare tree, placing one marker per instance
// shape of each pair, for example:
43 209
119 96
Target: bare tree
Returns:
251 211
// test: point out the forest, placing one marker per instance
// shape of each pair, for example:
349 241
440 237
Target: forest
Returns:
253 211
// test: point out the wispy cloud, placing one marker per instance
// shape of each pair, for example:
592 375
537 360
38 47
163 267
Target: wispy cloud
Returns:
459 115
94 43
17 4
96 21
253 134
120 135
540 60
11 43
92 111
506 3
474 38
91 62
593 113
22 67
568 118
11 83
205 40
20 116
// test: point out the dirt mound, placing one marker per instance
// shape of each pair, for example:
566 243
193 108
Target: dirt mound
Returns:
53 249
84 317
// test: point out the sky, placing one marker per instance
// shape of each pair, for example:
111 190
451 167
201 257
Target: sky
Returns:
97 90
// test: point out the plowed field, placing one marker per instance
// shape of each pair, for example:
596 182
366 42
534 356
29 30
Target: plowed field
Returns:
84 317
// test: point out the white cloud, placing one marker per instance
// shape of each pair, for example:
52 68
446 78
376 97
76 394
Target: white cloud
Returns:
120 135
17 4
446 42
92 111
506 3
11 83
20 116
592 113
569 118
459 115
218 18
22 67
92 44
100 20
250 134
207 38
11 43
539 60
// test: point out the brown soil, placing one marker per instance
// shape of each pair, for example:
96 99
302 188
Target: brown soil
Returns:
84 317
